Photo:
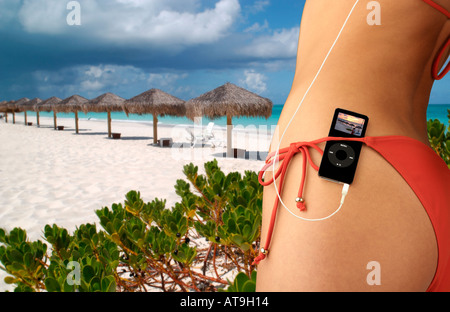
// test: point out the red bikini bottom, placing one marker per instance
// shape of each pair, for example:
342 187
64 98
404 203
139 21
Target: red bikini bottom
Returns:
424 171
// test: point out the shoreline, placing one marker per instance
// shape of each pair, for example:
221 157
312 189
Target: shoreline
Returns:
164 120
59 177
270 129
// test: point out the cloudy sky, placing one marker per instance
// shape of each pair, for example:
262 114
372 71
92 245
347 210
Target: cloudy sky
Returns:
184 47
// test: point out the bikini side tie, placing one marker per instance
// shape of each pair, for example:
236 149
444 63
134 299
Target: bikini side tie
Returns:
285 156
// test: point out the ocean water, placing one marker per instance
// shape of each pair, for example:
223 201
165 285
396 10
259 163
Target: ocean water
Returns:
439 112
434 112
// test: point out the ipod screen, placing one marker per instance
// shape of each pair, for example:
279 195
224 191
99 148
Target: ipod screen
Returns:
349 124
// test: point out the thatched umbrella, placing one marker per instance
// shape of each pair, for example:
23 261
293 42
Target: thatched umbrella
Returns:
157 103
71 104
4 109
10 108
107 102
19 107
231 101
48 106
14 107
3 106
29 106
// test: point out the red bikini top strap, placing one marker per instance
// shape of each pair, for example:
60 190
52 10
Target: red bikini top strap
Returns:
438 7
435 69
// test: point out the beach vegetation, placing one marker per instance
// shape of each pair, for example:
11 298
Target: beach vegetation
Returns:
213 230
243 283
439 137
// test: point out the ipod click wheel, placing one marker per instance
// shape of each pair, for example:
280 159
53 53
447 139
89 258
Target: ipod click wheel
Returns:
341 155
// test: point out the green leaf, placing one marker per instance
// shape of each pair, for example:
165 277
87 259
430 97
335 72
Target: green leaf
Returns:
28 259
108 284
246 231
232 227
11 280
17 236
68 288
249 286
95 284
237 239
254 275
242 283
88 273
52 285
2 236
14 255
14 267
116 238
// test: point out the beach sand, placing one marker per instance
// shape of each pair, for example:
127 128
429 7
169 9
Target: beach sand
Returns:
60 177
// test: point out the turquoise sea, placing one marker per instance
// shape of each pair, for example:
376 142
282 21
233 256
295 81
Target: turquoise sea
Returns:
434 112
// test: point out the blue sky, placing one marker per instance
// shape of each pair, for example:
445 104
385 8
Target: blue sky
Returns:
184 47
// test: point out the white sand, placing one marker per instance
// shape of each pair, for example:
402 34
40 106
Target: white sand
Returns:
50 176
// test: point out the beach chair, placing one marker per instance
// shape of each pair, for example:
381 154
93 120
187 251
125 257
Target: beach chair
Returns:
205 137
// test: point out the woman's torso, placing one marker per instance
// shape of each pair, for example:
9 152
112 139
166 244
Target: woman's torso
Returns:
384 72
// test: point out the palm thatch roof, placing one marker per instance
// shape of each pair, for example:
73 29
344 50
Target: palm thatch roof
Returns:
155 102
15 106
10 106
107 102
47 105
71 104
29 106
19 107
229 100
3 106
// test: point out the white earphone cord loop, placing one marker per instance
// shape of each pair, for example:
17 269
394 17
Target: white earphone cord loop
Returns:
346 186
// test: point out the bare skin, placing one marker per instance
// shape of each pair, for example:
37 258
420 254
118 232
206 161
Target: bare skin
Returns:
383 72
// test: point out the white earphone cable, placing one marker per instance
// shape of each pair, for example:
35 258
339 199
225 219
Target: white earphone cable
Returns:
346 186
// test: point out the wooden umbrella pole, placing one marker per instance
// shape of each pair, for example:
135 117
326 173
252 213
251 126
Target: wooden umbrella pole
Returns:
155 129
54 119
109 124
229 136
26 121
14 117
37 119
76 122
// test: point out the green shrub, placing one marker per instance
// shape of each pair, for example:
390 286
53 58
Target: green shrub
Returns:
243 283
439 138
25 261
146 245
